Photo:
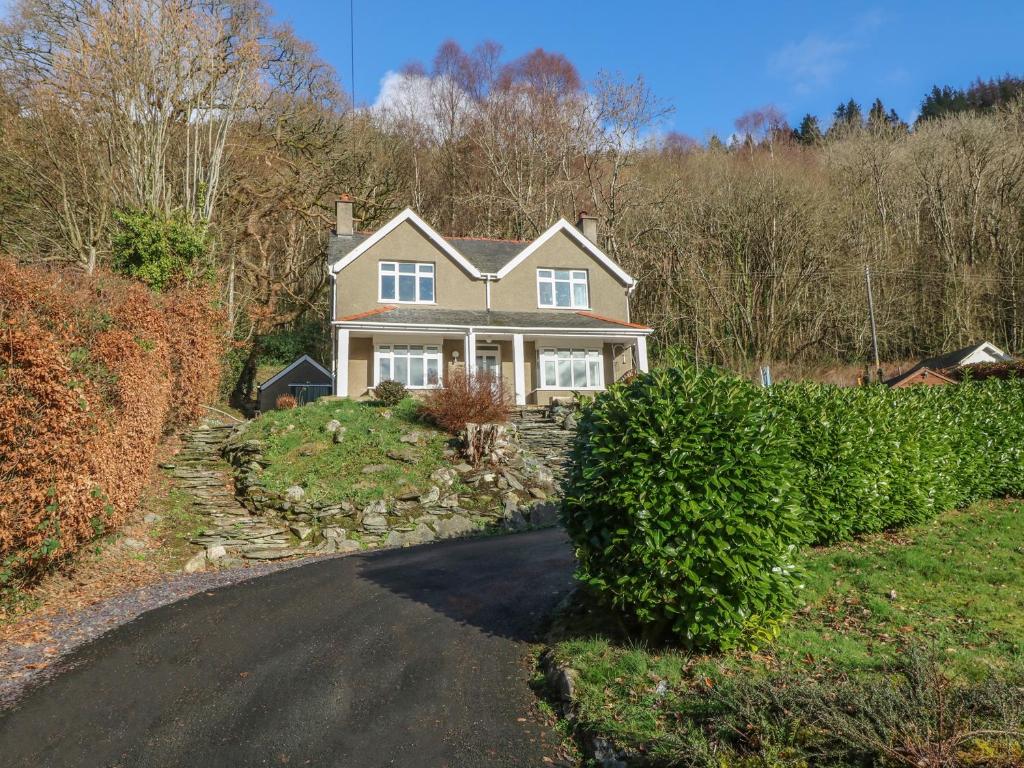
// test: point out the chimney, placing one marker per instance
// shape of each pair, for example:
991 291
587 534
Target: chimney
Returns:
343 215
587 224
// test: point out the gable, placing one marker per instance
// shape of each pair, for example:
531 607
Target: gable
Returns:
405 223
518 288
560 231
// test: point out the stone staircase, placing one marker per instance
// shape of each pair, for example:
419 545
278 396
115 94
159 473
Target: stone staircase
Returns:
546 436
233 533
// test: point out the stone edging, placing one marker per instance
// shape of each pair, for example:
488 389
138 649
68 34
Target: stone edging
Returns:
560 682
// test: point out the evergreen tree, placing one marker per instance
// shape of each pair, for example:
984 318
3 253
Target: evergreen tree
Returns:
809 131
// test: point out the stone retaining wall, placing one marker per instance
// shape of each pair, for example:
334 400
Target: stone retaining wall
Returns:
517 493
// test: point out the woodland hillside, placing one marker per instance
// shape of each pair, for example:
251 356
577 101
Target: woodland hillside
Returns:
201 140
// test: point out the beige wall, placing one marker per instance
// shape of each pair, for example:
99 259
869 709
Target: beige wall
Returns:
360 367
518 289
357 284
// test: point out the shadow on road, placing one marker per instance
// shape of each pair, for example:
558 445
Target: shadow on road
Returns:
504 585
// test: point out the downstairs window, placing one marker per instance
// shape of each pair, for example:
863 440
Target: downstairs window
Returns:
571 369
417 366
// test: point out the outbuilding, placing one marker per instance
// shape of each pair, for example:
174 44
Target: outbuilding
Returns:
304 379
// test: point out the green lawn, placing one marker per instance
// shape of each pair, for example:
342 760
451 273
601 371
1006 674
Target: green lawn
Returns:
946 597
301 452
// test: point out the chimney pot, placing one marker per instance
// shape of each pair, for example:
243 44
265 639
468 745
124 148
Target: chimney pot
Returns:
587 225
343 215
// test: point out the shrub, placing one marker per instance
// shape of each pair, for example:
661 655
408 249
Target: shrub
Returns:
681 504
479 398
390 392
285 402
160 250
690 489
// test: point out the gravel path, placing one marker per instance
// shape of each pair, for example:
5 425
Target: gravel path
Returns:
24 665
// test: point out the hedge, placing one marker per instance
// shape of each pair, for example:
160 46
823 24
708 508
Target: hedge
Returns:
691 491
93 371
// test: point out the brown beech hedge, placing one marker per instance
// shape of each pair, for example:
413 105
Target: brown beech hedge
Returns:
93 371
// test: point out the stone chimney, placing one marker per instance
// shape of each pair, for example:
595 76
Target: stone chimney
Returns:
343 215
587 224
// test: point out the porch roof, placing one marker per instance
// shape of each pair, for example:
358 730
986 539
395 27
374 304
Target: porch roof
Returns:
496 319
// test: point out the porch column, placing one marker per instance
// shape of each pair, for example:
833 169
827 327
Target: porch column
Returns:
641 354
341 362
520 368
470 348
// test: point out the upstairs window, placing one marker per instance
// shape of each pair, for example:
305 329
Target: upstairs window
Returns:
407 282
563 288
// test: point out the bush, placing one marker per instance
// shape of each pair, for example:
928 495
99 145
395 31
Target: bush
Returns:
390 392
681 504
478 398
285 402
690 489
161 251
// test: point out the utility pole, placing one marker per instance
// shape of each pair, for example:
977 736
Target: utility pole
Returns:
874 328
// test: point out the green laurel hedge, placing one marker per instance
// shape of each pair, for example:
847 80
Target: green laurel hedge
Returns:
692 490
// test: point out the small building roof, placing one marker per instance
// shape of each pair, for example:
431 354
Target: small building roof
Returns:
292 366
962 356
919 375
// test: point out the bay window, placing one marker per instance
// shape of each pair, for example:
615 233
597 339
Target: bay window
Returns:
571 369
417 366
563 288
406 282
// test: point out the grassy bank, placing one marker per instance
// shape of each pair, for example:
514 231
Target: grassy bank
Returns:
299 450
904 647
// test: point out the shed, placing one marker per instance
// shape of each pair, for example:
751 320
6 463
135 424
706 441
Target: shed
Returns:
304 379
920 376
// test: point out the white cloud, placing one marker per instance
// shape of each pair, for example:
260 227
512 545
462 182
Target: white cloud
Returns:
435 104
813 62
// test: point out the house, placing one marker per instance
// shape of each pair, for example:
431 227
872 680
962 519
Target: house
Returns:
304 379
549 317
944 368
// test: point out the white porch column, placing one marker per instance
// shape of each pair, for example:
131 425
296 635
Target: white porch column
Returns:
341 362
641 354
520 368
470 351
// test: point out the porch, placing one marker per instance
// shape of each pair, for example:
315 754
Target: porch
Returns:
535 365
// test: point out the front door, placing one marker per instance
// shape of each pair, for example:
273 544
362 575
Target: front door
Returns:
488 358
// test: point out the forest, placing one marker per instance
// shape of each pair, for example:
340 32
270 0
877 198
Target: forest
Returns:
199 141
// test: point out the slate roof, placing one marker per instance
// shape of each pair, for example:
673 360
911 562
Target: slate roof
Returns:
488 256
491 318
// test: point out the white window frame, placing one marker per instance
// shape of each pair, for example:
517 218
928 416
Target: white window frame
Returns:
574 280
587 354
422 269
429 351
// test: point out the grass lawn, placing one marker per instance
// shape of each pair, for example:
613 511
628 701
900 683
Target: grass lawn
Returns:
946 597
300 452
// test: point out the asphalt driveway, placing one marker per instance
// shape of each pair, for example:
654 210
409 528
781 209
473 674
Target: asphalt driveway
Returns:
412 657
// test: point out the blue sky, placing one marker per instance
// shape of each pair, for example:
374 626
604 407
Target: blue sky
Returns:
710 61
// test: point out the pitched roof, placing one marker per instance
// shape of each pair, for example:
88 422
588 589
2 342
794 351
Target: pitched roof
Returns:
918 372
297 362
952 359
464 318
486 256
